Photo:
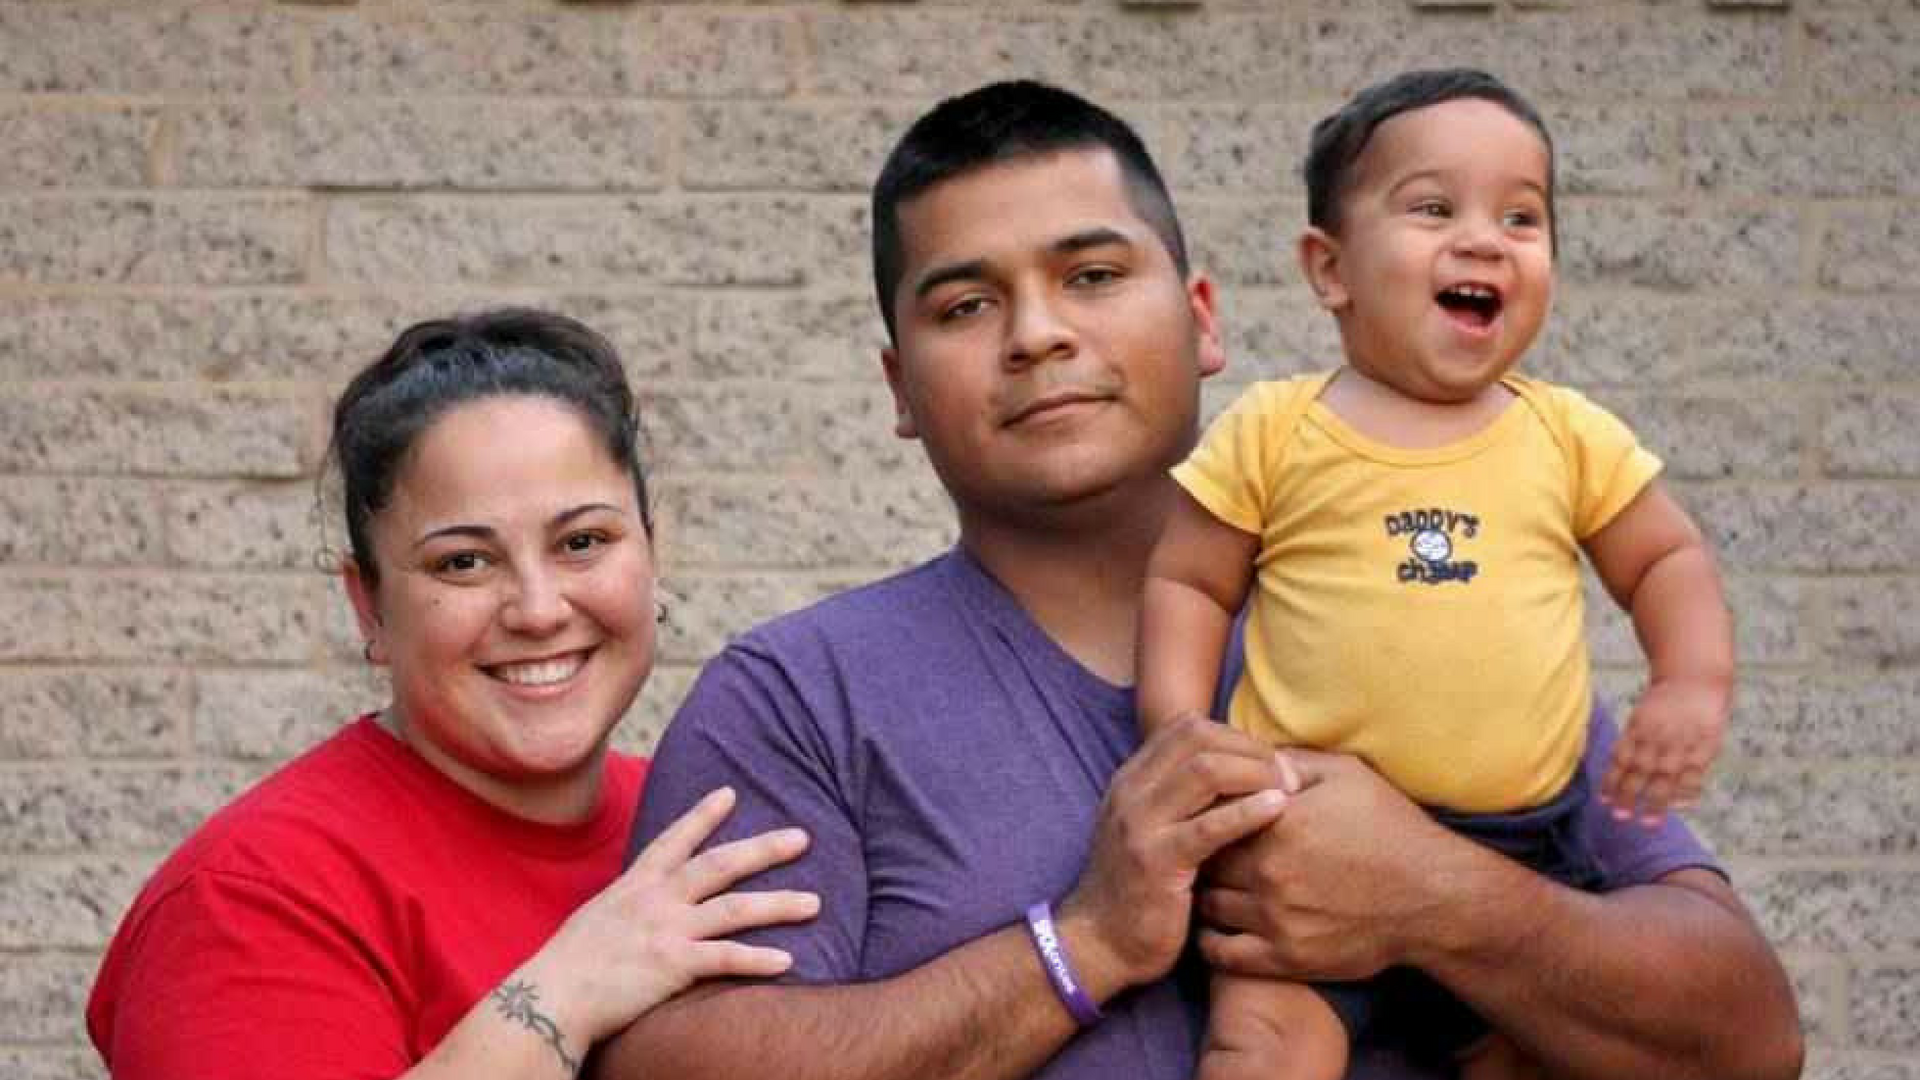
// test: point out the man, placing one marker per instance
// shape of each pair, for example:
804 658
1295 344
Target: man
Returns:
959 740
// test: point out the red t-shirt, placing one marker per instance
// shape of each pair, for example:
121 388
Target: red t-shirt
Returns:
335 921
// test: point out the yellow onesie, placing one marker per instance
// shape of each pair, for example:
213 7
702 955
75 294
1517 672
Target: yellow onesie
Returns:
1421 608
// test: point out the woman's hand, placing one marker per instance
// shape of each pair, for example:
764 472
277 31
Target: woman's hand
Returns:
662 925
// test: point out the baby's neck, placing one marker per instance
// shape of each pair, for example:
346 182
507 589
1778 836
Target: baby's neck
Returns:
1387 415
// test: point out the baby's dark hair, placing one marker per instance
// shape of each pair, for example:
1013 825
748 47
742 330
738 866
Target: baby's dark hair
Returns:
436 365
1339 139
999 122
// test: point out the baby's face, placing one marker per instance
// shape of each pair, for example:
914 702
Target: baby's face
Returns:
1443 266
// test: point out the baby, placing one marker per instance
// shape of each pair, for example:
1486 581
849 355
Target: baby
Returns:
1410 528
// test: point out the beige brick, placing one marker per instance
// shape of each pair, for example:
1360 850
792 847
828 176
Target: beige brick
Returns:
1597 337
149 49
1752 436
1611 150
655 332
176 431
722 240
400 52
714 54
260 526
1864 55
79 809
1870 247
1772 621
109 712
920 55
708 609
176 240
1873 620
271 715
225 617
771 429
1854 911
1858 810
1826 1063
64 521
1804 339
1205 150
1847 527
801 336
439 144
1873 434
66 903
1245 242
818 525
1273 333
1826 716
1673 245
789 147
1784 151
1886 1007
42 996
1228 57
51 1063
52 147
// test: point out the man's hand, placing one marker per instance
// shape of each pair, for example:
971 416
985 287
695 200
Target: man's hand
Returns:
1342 886
1661 762
1194 787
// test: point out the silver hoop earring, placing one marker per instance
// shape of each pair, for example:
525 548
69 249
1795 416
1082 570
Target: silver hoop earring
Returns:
660 611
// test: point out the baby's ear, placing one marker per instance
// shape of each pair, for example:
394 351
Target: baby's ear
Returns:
1320 265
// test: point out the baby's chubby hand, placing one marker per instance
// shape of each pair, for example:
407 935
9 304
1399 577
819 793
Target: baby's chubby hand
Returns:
1661 762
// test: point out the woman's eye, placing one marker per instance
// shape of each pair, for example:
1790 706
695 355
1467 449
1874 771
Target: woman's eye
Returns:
580 543
460 562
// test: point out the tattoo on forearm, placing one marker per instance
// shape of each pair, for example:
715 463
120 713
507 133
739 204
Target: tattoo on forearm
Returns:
519 1001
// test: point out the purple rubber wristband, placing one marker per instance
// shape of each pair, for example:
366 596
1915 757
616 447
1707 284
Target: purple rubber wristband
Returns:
1053 957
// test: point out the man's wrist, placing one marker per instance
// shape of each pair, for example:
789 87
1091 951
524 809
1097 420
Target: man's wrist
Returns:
1102 971
1481 903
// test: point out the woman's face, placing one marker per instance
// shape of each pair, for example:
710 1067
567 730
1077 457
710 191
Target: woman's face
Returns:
515 602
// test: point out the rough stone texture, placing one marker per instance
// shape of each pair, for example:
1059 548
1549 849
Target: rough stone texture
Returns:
1886 1007
103 713
173 240
212 214
178 431
1872 434
73 521
1828 152
75 147
439 144
145 49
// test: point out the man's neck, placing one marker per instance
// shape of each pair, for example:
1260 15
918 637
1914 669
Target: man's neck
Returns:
1081 582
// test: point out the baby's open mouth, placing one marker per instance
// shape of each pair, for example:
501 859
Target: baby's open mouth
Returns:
1476 305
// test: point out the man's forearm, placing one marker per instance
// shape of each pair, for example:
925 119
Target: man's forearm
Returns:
1670 979
984 1011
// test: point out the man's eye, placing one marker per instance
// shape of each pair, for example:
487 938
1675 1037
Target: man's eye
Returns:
1095 275
964 308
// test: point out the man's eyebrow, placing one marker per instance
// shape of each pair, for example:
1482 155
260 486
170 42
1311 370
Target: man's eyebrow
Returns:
1099 236
971 270
974 269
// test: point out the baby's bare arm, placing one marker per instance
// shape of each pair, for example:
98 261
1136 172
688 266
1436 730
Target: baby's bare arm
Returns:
1199 576
1656 565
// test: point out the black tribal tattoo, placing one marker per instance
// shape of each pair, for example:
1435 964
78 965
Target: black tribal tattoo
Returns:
518 1001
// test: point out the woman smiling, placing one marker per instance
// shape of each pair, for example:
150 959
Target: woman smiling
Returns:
436 890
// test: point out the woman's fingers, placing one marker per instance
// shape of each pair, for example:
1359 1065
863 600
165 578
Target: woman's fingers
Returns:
730 913
678 841
731 959
725 865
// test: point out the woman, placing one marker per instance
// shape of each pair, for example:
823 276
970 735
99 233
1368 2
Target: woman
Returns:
427 893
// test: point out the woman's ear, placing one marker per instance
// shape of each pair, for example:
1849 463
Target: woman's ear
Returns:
364 596
1320 265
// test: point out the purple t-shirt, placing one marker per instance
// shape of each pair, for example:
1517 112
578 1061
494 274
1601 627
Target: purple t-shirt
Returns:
948 759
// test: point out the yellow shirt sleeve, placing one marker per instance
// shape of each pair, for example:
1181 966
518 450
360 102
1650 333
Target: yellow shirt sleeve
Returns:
1610 468
1234 469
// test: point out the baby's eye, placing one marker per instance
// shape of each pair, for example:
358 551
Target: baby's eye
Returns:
1430 208
1523 219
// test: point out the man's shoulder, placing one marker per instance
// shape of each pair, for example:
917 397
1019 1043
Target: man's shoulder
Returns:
874 615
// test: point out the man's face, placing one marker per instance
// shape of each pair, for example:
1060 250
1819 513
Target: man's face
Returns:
1049 352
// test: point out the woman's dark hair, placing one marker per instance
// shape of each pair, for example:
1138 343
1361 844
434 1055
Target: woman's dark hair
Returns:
1339 139
436 365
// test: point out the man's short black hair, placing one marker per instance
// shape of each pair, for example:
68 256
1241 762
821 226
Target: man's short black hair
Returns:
1339 139
1000 122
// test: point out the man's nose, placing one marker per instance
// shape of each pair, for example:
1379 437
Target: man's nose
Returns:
1038 331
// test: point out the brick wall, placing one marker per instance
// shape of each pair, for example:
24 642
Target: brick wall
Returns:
210 213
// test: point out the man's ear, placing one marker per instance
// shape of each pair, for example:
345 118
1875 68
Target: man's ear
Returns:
366 610
1320 265
1211 351
903 425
